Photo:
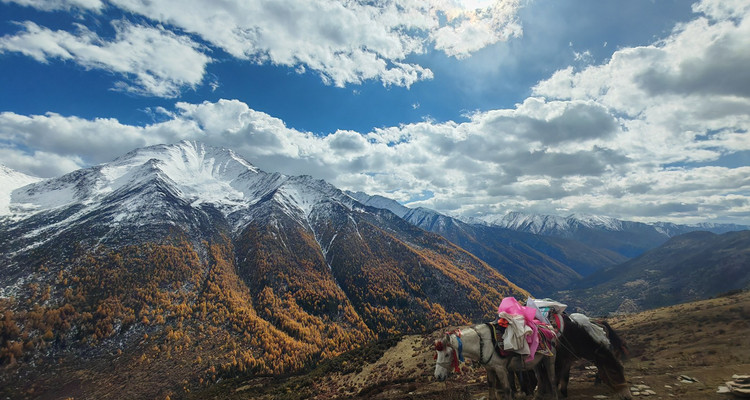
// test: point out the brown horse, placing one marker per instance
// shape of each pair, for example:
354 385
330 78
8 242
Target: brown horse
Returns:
477 343
582 339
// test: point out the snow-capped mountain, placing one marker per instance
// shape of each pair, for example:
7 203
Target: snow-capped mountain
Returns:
292 234
548 224
380 202
536 262
196 174
182 185
596 233
425 218
625 237
558 225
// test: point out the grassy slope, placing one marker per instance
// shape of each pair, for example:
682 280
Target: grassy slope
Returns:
708 340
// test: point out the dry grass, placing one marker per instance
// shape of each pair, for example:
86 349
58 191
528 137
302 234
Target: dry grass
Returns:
707 340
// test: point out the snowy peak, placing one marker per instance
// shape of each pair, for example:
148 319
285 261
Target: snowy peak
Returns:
532 223
299 195
10 180
187 174
196 172
597 221
203 174
549 224
188 163
380 202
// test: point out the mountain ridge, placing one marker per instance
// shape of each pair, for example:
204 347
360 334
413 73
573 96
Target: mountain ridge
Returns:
692 266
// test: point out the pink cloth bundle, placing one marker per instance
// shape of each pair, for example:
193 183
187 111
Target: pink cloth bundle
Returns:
510 305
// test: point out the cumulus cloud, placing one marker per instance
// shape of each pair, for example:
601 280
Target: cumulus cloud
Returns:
40 163
344 42
680 101
156 61
473 28
52 5
449 159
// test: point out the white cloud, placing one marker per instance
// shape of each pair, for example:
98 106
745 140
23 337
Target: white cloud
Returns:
674 95
497 160
723 9
344 42
474 27
52 5
40 163
157 61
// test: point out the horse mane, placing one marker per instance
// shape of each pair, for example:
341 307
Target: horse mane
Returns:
619 346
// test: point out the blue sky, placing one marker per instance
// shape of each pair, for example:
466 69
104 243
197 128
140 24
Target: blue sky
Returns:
637 110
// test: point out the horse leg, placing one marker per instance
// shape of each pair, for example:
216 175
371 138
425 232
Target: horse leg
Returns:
502 383
545 371
512 380
562 373
623 392
528 382
492 383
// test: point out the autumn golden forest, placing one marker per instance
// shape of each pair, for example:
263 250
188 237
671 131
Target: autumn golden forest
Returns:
121 319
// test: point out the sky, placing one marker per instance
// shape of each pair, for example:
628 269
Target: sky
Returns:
637 110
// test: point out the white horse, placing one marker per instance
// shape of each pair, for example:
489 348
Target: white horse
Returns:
476 343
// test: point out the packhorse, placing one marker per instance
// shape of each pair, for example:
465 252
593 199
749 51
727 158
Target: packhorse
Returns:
598 343
478 343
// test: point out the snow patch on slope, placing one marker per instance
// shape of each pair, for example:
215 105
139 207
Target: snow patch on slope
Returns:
195 172
380 202
541 224
10 180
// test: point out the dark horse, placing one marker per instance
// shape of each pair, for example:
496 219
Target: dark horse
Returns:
582 339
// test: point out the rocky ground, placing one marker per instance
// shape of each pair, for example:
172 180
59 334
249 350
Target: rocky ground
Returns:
680 352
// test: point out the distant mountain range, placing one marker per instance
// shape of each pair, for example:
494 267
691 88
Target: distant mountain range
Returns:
695 265
535 262
625 237
544 253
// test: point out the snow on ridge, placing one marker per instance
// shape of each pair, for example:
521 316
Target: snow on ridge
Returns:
202 171
303 193
380 202
534 223
598 221
199 173
10 180
540 223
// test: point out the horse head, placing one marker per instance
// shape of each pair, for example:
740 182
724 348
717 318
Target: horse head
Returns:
445 358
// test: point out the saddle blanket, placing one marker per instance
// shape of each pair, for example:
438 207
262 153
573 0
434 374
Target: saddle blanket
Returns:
546 334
